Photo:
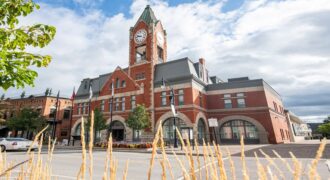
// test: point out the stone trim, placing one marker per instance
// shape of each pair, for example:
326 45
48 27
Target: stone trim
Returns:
235 90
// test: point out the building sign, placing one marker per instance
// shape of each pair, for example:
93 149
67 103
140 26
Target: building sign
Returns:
213 122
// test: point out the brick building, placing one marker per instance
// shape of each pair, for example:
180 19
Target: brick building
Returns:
46 105
242 107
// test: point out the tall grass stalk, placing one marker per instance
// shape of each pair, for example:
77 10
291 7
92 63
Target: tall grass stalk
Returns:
183 169
312 171
126 170
165 159
297 167
90 146
271 161
262 175
213 166
82 171
206 160
232 166
154 150
198 160
244 170
223 175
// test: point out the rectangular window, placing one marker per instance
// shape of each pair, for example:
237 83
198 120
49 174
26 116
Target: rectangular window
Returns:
200 99
240 95
110 104
117 104
228 103
275 106
282 134
79 108
102 105
133 102
163 97
66 114
139 76
226 95
241 103
86 108
181 97
123 103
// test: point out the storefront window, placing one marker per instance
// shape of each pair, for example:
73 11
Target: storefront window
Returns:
236 128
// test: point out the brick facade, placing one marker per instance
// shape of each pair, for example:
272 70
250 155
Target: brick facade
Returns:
201 97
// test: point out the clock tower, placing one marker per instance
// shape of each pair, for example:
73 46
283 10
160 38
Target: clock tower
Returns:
147 47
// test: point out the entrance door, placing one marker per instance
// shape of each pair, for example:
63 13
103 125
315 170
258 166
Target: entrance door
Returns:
118 131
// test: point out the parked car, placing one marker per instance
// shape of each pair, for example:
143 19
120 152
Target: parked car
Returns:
16 144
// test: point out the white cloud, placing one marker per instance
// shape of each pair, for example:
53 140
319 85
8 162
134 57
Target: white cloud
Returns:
285 42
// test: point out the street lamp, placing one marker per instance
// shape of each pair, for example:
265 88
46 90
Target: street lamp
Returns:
111 104
172 102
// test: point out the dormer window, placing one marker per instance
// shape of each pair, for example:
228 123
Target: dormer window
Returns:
140 54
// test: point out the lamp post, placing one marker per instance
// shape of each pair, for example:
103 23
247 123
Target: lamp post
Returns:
172 102
111 107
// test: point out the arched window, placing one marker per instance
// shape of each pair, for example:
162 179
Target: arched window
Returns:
77 131
117 83
234 129
123 83
169 128
201 131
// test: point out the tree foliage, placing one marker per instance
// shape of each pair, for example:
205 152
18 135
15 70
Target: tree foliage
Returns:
15 62
27 120
99 122
324 128
139 118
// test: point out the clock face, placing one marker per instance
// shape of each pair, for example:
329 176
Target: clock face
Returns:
140 36
160 38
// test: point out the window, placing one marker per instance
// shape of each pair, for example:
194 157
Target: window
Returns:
163 96
226 95
228 103
240 94
123 83
140 54
181 97
133 102
200 99
102 105
136 135
282 134
86 108
240 103
52 113
123 103
234 129
79 108
160 54
139 76
117 83
117 104
66 114
110 104
275 106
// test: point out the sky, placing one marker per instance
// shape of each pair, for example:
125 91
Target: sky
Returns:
284 42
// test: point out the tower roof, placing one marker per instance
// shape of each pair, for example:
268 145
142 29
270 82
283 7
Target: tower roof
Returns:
148 16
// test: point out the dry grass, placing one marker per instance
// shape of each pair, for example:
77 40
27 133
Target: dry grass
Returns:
35 169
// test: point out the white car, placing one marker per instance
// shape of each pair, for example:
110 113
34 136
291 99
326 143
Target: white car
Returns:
16 144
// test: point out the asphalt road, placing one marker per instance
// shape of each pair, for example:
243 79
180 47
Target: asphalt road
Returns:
66 165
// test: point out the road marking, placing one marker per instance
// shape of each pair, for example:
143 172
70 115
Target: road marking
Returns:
196 170
328 164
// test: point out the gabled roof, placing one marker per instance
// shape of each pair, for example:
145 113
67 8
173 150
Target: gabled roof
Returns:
148 16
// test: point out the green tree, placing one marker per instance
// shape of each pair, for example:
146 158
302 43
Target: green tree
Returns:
327 120
27 120
15 63
47 92
23 94
99 122
138 119
324 128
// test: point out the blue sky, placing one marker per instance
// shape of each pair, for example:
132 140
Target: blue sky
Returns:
284 42
113 7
